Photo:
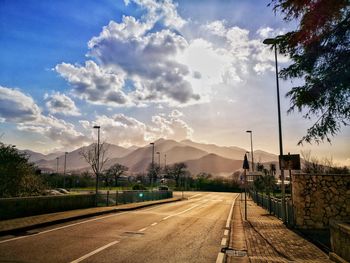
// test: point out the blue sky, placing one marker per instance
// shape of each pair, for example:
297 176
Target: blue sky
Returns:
144 70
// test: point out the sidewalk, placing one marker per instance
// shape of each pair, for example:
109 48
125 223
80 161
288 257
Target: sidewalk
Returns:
26 223
267 239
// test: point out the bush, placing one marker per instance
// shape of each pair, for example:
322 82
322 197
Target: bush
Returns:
18 176
138 187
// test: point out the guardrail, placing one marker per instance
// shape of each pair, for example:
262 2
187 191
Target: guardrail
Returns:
36 205
111 198
274 206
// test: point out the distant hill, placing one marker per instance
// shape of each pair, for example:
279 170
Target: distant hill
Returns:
234 153
213 164
198 156
35 156
76 162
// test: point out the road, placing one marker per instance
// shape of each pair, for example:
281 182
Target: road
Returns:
184 231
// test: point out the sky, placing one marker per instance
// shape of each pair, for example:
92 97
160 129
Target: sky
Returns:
146 69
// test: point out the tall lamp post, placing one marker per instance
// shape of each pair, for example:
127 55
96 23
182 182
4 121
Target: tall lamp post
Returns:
158 158
152 168
251 148
57 160
98 157
273 42
64 169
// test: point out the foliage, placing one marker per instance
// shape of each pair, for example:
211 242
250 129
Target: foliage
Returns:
18 177
176 171
266 182
153 172
325 166
138 186
115 171
320 51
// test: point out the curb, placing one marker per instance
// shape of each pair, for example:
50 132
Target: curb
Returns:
22 229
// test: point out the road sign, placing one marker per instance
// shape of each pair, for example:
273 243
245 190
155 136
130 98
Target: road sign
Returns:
290 162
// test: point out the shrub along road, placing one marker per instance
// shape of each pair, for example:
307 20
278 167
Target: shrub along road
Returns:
187 231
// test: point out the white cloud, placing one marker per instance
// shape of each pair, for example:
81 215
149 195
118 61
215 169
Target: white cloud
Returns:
94 84
164 11
15 106
124 130
18 108
62 104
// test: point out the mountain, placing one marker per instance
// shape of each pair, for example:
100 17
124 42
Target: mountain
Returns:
75 161
199 157
214 164
35 156
232 152
264 157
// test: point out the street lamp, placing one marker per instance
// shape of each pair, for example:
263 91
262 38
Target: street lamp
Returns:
98 157
158 158
273 42
64 170
251 148
152 167
57 160
165 161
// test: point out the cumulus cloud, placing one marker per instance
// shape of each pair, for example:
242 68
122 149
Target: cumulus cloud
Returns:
16 106
164 11
162 58
149 60
93 83
19 108
124 130
62 104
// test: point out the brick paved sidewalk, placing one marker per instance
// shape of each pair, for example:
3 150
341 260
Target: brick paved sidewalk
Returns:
267 239
30 222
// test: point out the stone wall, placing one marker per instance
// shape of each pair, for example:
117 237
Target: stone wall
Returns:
340 239
319 198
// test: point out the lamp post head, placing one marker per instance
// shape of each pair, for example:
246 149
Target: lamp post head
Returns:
97 127
249 131
66 153
152 143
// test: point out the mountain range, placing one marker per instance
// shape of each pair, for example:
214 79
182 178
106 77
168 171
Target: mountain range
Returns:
199 157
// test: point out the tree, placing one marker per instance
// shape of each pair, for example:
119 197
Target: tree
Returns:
116 171
96 156
18 176
153 172
178 170
320 51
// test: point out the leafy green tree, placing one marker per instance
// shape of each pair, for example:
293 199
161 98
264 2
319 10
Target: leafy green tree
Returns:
320 53
116 171
18 177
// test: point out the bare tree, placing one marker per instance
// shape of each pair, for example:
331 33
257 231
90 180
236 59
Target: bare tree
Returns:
95 160
116 171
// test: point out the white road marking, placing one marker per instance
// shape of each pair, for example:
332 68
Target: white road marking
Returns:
226 232
142 229
224 241
220 258
194 196
165 218
230 214
94 252
154 224
62 227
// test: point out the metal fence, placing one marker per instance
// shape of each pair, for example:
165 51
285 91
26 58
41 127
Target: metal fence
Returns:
111 198
274 206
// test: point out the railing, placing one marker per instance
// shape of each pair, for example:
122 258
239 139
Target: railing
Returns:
111 198
274 206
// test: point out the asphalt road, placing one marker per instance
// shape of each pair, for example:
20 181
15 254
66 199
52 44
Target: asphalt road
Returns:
185 231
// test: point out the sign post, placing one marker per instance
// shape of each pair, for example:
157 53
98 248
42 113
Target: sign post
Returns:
245 167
